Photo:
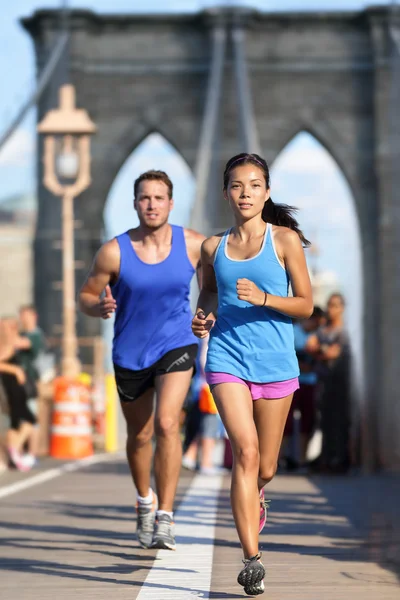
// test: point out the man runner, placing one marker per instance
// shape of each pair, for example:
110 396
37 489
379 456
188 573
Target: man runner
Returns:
146 274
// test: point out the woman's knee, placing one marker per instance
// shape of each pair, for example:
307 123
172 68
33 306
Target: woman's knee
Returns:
267 471
247 456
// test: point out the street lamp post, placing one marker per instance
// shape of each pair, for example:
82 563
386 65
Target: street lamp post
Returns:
66 161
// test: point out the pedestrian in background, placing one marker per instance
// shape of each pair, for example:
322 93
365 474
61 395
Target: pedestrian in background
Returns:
203 425
331 347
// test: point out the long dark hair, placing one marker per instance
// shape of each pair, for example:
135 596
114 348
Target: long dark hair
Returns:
276 214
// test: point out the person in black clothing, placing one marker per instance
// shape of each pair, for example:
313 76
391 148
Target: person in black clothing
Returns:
13 379
331 347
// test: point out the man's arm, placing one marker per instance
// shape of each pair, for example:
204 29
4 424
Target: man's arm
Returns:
194 241
104 270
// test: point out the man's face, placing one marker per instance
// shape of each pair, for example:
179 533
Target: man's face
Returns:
153 204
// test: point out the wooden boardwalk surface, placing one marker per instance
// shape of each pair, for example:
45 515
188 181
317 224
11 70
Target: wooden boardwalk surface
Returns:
326 539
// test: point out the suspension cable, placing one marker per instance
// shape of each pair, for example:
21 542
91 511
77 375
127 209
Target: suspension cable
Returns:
45 76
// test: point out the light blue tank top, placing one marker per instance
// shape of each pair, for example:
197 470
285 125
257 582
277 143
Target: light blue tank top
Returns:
153 313
254 343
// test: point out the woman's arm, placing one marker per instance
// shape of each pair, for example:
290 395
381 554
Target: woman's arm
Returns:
299 306
207 303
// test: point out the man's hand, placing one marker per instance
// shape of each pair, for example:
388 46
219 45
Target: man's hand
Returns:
249 292
107 304
201 326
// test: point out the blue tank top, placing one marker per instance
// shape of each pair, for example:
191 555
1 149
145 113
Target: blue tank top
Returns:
153 313
252 342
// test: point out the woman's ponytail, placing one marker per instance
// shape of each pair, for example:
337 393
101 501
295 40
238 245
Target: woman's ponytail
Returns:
282 215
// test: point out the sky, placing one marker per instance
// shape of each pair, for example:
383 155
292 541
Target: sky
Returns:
303 166
17 166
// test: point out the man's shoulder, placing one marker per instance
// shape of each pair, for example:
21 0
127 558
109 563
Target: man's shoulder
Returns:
191 235
109 250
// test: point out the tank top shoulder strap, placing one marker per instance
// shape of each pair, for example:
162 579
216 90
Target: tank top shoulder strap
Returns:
268 236
178 238
126 251
178 249
179 254
124 241
220 250
270 247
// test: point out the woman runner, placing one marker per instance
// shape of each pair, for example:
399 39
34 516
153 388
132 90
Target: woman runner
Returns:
252 367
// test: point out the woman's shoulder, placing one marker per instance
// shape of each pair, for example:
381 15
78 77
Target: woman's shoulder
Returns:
285 234
211 244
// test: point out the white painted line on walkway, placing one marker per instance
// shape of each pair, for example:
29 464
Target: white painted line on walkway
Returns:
56 472
186 573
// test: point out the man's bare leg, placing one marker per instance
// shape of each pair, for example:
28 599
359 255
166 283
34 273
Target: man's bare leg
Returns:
140 428
171 390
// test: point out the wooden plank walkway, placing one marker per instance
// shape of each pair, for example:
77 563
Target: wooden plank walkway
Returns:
326 539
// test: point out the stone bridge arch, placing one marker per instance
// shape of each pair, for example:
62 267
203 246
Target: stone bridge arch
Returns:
329 73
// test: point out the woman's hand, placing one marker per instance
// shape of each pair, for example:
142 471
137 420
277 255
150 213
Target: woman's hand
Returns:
249 292
201 326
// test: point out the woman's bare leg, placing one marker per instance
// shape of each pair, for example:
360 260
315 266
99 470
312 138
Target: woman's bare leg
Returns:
235 407
270 419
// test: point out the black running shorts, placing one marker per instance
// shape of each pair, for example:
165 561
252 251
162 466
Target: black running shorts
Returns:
132 384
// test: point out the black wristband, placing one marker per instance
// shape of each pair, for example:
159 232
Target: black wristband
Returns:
265 299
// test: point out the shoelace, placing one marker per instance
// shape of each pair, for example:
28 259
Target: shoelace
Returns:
163 527
145 519
265 504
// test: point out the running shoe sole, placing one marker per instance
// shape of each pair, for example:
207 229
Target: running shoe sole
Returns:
255 590
162 545
251 575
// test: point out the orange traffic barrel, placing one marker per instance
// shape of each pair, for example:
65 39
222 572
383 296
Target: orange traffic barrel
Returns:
206 401
71 430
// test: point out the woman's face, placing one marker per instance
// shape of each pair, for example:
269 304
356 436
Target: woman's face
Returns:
246 191
335 307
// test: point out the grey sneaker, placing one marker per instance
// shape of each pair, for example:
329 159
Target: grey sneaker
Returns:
146 515
251 577
163 537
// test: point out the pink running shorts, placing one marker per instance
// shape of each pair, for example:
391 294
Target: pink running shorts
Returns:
278 389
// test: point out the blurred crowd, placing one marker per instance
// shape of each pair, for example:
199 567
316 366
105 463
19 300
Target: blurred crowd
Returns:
25 364
317 433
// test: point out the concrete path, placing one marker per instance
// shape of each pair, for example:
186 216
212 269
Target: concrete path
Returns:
326 539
